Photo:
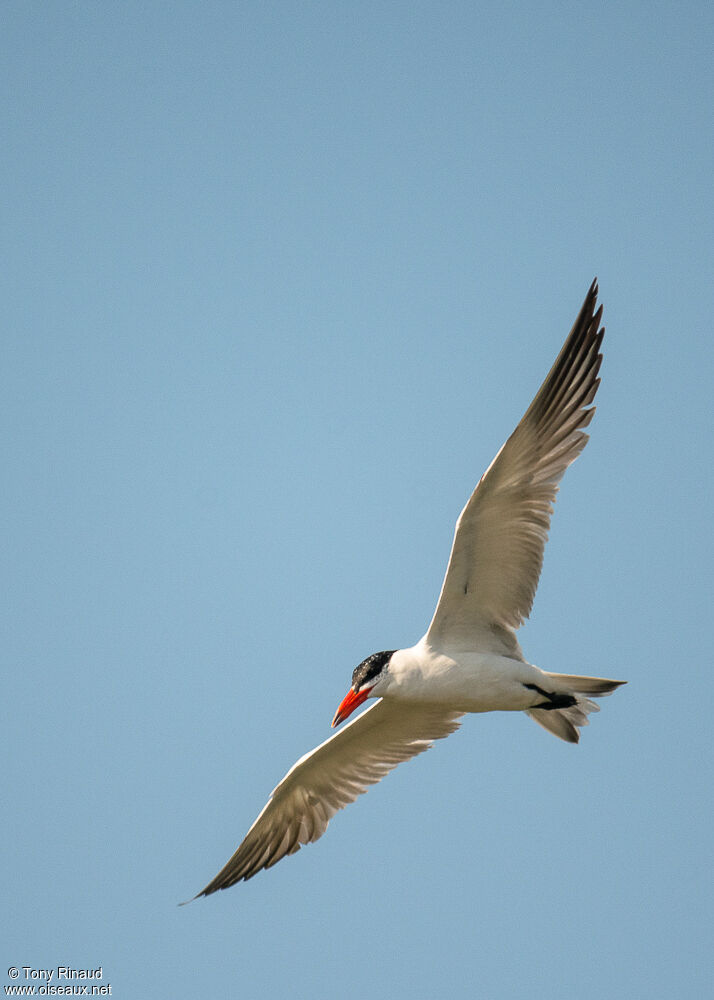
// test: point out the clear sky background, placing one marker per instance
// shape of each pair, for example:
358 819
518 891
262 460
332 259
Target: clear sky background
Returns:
278 281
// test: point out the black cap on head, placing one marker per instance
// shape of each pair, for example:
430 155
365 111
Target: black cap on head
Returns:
371 668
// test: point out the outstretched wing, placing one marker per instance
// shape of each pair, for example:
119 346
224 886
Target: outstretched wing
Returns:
330 777
497 553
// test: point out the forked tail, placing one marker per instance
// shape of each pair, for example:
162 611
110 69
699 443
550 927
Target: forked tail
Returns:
565 705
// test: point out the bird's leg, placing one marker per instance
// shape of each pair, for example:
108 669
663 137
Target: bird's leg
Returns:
554 700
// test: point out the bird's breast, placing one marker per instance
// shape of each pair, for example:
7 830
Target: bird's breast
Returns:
469 682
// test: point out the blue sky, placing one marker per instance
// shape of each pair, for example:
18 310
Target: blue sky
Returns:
278 281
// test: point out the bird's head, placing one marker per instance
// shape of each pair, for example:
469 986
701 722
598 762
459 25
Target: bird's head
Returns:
367 681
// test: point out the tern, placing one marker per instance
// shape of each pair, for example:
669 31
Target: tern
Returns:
469 660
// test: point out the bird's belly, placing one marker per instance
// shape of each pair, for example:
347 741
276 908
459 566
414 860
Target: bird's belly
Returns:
474 682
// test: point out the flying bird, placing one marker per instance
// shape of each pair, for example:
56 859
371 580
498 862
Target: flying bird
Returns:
469 660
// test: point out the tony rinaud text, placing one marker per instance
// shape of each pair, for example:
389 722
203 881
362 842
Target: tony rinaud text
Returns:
61 972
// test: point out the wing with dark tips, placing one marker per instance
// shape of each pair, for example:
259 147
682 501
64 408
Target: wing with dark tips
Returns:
500 537
330 777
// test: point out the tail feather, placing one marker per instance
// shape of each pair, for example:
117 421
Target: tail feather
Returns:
598 686
564 722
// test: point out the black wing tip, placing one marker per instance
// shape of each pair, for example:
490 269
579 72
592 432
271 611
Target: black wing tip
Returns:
582 349
590 312
208 891
588 329
225 883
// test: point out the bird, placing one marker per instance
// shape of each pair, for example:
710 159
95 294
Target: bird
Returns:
469 660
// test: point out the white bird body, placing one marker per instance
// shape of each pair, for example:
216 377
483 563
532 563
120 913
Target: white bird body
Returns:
461 679
469 660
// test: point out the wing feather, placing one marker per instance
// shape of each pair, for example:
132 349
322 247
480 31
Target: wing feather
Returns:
330 777
500 537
